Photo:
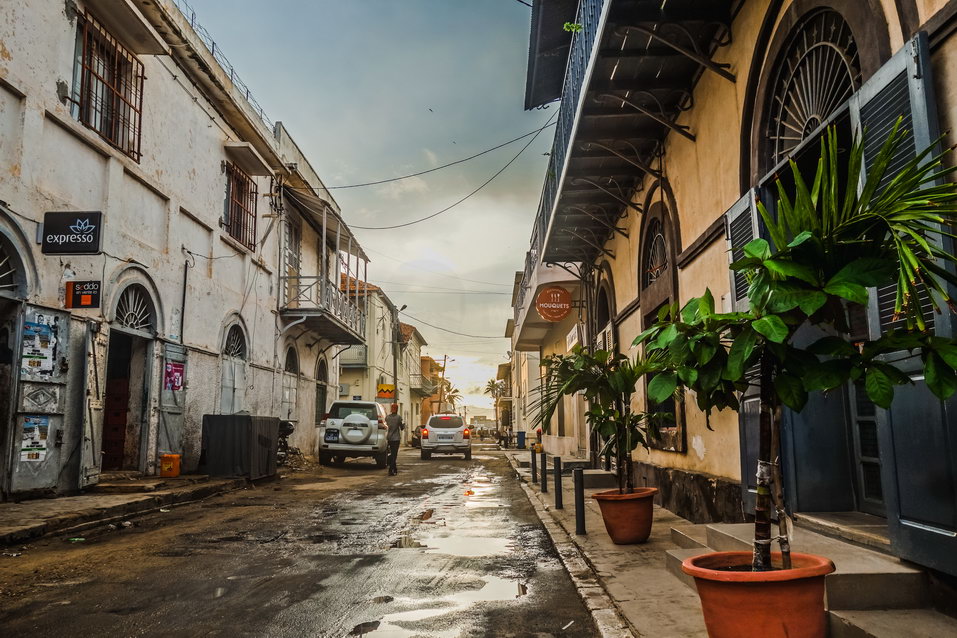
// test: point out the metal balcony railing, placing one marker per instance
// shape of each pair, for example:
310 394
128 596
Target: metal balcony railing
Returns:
583 41
303 292
422 383
354 356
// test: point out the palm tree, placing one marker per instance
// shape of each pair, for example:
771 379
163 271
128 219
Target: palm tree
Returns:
452 394
495 389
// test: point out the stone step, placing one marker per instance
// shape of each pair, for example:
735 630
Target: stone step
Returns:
129 487
891 623
690 536
674 558
863 578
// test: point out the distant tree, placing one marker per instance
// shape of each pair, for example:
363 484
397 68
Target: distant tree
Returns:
496 390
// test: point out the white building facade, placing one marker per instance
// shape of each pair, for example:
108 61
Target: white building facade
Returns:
166 251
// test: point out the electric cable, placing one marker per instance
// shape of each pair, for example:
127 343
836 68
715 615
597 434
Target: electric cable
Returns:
483 185
425 172
461 334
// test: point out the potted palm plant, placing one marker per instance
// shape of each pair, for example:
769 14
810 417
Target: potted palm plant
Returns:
607 381
830 242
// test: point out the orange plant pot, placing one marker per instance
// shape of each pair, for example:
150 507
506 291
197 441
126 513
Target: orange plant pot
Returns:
746 604
627 517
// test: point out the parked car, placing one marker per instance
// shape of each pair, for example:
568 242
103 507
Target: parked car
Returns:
446 434
353 429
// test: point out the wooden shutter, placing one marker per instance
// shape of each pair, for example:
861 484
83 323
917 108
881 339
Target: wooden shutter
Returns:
742 227
902 88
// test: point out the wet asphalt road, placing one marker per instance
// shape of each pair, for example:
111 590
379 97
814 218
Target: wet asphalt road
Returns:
447 548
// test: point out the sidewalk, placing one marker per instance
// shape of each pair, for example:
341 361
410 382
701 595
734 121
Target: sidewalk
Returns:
20 522
633 578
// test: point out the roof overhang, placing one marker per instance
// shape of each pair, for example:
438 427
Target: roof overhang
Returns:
637 81
124 21
548 50
243 155
320 213
324 323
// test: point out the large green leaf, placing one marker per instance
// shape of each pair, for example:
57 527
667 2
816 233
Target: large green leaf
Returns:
791 391
662 387
940 377
832 346
879 388
868 272
826 375
741 349
757 249
789 268
847 290
772 327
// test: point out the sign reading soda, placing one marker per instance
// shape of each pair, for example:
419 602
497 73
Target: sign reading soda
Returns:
553 303
82 294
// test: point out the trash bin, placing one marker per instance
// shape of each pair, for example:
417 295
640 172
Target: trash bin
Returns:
520 440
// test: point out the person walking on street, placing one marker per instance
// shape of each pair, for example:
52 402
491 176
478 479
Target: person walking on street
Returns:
393 435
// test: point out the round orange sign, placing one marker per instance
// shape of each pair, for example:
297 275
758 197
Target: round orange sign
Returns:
554 303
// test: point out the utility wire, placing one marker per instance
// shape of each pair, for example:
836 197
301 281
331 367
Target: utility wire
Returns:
483 185
527 4
425 172
461 334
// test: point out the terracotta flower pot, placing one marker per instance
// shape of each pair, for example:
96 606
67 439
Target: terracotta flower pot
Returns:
627 516
746 604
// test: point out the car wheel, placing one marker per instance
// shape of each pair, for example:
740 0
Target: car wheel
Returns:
468 455
380 460
426 455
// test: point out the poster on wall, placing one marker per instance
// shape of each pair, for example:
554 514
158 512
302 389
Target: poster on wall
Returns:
173 376
33 444
38 347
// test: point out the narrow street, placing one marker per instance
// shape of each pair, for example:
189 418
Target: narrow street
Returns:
446 548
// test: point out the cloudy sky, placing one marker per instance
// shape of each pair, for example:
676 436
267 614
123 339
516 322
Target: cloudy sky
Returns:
373 89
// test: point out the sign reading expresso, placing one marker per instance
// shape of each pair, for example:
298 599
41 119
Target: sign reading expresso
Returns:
72 233
553 303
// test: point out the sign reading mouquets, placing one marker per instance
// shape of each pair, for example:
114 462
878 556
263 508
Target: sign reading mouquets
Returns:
72 233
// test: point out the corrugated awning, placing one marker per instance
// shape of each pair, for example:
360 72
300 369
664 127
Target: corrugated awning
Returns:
312 208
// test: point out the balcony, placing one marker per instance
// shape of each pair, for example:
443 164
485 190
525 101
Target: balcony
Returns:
630 74
354 357
422 385
323 308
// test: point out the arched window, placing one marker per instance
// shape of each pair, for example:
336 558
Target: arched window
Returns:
817 71
11 272
233 381
290 385
292 361
135 310
235 344
656 254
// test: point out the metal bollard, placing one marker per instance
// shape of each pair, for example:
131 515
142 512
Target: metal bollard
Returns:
579 501
558 483
534 467
544 473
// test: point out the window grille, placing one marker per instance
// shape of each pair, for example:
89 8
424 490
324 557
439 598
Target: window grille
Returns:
239 212
107 91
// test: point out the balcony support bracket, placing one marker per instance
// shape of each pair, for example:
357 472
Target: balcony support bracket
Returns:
703 60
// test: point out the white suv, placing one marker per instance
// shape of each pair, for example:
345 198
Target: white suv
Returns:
446 434
353 429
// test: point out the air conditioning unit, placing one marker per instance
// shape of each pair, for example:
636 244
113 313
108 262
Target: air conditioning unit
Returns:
343 389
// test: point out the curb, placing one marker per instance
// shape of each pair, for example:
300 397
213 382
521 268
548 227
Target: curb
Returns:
93 517
605 613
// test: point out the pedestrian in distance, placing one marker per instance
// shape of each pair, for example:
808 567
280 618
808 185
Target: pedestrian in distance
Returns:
393 436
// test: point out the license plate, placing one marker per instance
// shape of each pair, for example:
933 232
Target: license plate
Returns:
447 437
332 436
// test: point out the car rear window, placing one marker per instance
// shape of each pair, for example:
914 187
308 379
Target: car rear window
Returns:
342 410
445 422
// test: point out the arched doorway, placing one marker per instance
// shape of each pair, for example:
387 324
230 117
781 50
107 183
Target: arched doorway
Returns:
233 374
13 291
322 388
128 371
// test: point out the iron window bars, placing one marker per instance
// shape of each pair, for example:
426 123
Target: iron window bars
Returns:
107 87
239 212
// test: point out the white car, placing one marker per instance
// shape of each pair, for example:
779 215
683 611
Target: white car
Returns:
446 434
353 429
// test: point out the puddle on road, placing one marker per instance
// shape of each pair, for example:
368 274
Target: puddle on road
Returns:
316 485
496 589
466 545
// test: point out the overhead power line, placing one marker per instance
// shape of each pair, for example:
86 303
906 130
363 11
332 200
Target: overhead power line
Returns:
483 185
461 334
425 172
